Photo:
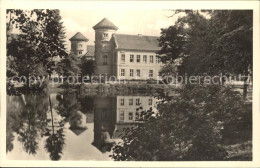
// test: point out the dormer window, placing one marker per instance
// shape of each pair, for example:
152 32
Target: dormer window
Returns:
80 52
105 35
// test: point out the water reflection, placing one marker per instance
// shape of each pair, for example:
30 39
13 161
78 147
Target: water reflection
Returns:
51 124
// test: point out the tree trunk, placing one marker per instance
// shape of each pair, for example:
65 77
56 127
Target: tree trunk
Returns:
245 87
51 115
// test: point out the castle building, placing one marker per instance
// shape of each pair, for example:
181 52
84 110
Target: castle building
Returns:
125 56
80 48
114 113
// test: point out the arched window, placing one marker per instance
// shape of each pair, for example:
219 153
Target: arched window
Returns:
105 59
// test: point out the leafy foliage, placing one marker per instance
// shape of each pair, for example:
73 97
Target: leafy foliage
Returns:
87 67
39 39
69 66
220 43
187 127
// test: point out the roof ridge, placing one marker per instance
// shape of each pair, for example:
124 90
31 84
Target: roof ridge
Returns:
105 23
78 36
135 35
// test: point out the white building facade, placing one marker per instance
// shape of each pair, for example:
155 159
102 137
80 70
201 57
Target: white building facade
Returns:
126 57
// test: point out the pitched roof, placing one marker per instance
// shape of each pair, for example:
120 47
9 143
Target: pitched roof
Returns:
90 50
136 42
78 37
105 23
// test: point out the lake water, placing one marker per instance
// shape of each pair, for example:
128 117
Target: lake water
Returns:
68 126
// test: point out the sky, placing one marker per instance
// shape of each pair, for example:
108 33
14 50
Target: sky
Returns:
145 22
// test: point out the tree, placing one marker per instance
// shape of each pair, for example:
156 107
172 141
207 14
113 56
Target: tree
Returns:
87 67
185 44
39 39
233 44
220 43
32 121
187 127
55 141
69 67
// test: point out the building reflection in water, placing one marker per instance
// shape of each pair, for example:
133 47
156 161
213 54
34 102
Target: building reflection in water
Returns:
113 114
33 117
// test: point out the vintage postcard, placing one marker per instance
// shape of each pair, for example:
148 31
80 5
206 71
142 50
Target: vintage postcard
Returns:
149 83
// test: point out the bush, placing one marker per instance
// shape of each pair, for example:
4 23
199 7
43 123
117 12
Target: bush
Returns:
187 127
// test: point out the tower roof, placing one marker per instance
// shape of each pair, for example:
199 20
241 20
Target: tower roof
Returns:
105 23
78 37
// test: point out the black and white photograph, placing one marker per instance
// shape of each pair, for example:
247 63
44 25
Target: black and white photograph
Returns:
129 83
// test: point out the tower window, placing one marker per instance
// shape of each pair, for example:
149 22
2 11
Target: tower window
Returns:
80 52
105 35
105 59
80 45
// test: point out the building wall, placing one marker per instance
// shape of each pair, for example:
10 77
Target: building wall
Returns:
146 102
104 46
79 46
144 67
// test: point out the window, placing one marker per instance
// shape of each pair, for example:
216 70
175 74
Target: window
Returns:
137 115
131 72
121 116
150 102
122 102
104 114
145 58
105 59
137 102
80 52
157 59
122 72
131 102
122 58
131 58
130 116
151 59
138 58
105 35
150 73
159 73
138 72
80 45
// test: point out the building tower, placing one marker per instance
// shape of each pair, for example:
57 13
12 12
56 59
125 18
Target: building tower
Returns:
79 44
104 47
